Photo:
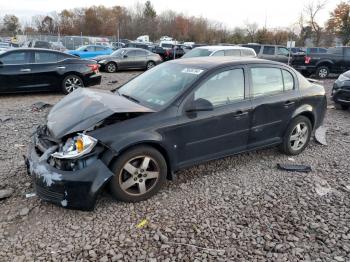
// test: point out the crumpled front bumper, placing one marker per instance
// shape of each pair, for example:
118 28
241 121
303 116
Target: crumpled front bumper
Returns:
69 189
341 92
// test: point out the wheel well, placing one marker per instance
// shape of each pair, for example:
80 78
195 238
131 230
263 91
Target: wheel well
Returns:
154 145
327 64
310 116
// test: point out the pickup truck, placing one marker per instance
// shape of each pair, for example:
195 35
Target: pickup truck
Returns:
335 60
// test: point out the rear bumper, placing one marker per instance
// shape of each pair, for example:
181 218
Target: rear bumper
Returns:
93 80
69 189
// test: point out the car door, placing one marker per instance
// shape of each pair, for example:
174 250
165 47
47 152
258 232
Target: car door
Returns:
101 50
127 60
223 130
45 71
140 59
274 98
14 70
282 54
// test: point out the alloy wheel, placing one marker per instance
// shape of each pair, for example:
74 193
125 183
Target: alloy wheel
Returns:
72 83
323 73
111 68
139 175
299 136
150 65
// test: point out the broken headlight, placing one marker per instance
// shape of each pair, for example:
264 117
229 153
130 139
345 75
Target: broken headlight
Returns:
76 147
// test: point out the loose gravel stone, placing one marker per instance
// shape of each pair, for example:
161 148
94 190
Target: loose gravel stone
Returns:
5 193
239 208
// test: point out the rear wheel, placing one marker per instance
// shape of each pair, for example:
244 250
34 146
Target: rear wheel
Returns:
341 107
70 83
297 136
322 72
150 65
111 67
139 173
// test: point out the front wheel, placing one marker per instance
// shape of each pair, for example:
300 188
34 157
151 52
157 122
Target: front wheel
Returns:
150 65
297 136
139 173
111 67
70 83
341 107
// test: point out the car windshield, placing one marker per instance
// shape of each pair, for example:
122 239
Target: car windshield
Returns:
82 48
157 87
119 52
197 52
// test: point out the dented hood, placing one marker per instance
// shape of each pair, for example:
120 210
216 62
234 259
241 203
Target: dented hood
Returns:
84 108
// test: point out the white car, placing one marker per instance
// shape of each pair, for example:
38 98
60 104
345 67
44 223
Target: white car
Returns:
218 50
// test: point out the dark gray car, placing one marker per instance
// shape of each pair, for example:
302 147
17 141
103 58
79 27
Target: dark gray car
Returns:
128 58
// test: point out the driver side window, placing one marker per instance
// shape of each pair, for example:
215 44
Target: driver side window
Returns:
222 88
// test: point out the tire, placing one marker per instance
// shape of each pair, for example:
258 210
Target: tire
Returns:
150 65
306 73
341 107
111 67
294 141
322 72
70 83
132 182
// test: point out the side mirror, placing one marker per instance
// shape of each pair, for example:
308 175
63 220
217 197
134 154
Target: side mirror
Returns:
199 104
125 56
85 50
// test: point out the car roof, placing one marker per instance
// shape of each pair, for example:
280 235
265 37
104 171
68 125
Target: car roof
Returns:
36 49
222 47
210 62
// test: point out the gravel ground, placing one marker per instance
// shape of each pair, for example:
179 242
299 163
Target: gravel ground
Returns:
239 208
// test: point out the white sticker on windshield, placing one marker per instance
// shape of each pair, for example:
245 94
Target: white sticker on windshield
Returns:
193 71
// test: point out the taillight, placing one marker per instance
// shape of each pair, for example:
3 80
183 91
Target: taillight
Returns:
307 59
94 67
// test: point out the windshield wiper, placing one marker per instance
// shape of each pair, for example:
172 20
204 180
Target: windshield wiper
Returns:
131 98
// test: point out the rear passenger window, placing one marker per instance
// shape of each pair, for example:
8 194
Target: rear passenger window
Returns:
266 81
223 88
45 57
232 52
100 48
269 50
288 80
219 53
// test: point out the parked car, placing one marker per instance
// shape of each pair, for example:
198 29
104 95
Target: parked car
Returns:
4 46
297 50
237 51
270 52
336 60
33 69
90 51
180 113
137 45
176 51
128 58
38 44
341 91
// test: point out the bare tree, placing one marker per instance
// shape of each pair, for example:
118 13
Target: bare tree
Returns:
312 9
251 29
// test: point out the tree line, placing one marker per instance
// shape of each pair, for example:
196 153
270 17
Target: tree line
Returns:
142 19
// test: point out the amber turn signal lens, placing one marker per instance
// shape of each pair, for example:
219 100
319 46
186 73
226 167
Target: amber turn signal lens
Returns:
79 144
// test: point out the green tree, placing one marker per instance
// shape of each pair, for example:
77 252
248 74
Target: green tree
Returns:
11 24
339 22
149 11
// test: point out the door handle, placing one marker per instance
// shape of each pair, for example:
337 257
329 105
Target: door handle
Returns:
289 103
61 67
241 113
26 70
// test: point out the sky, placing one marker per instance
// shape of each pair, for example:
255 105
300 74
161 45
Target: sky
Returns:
276 13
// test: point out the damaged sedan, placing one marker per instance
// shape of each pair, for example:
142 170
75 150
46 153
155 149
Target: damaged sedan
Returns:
176 115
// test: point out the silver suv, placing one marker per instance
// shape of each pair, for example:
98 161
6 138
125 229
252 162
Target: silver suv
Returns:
270 52
237 51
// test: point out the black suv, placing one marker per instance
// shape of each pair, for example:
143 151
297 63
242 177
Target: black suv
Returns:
178 114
